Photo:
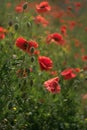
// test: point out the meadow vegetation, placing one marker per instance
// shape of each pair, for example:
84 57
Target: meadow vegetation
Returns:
43 65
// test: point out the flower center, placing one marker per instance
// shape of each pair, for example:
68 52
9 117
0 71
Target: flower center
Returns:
43 6
25 46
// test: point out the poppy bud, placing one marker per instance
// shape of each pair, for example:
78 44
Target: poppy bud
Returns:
86 78
16 26
10 23
25 6
10 105
32 59
32 50
31 82
28 24
27 70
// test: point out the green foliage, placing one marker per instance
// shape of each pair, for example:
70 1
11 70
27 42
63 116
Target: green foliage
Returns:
25 104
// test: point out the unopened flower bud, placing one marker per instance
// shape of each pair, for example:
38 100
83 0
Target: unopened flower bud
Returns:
25 5
32 59
28 24
31 82
32 50
27 70
16 26
10 23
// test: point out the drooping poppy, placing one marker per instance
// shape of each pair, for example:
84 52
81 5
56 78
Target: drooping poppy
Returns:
52 85
55 37
68 73
45 63
41 20
43 7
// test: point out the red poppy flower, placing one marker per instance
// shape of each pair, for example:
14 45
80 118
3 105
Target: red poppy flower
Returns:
52 85
84 58
67 1
85 67
77 43
22 43
78 4
19 9
84 97
68 73
63 30
43 7
2 32
72 25
2 36
49 39
54 73
55 37
45 63
77 70
41 20
36 52
69 8
25 45
8 5
86 29
33 44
